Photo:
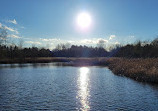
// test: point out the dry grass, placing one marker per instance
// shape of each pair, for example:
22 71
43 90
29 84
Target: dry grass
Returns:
139 69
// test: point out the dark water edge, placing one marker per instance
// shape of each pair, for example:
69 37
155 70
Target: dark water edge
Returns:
34 60
72 64
111 63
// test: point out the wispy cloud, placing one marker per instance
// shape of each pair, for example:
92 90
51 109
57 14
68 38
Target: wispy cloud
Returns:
101 40
49 40
2 38
22 27
112 36
117 43
33 42
88 41
13 21
11 29
14 36
132 36
93 41
0 25
71 41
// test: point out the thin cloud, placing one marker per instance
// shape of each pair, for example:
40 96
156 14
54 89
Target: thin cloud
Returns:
14 36
49 40
117 43
132 36
11 29
22 27
0 25
71 41
93 41
102 41
13 21
33 42
88 41
112 36
2 38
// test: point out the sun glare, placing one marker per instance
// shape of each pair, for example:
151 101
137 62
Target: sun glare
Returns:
84 70
83 83
84 20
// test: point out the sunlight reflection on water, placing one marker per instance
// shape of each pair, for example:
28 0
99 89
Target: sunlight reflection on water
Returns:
83 92
64 88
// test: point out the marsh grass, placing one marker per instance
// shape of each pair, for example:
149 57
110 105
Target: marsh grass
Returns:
139 69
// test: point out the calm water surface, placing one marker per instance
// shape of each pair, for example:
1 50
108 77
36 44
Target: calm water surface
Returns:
54 87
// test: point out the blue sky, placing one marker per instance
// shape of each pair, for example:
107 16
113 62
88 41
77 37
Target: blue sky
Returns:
44 22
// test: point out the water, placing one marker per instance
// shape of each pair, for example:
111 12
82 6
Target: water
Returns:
56 87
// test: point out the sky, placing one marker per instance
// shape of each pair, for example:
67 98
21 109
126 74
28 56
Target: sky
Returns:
50 22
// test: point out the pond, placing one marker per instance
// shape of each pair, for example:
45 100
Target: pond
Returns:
57 87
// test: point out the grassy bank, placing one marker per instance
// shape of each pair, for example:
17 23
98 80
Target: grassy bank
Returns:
145 70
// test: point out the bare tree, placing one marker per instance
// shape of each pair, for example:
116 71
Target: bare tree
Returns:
3 35
21 43
47 46
63 46
67 45
101 44
59 47
155 42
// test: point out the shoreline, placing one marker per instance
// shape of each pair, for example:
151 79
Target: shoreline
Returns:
143 70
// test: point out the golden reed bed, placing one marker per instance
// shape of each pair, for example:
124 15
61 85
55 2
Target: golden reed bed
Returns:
145 70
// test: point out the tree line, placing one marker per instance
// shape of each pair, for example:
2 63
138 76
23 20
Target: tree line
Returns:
137 50
8 50
80 51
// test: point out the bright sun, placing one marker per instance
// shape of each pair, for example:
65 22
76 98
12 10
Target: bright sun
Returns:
84 20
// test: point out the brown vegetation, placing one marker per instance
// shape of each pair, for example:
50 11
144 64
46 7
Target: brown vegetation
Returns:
145 70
